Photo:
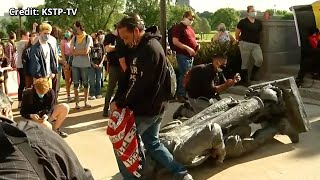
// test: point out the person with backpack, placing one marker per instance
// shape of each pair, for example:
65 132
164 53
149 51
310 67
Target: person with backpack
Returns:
145 93
203 84
21 45
31 151
25 57
97 55
186 47
80 50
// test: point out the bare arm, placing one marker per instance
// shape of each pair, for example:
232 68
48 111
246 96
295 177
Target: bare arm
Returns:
237 34
110 48
215 37
231 37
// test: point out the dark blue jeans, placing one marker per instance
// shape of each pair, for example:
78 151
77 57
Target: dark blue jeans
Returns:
148 128
184 64
95 77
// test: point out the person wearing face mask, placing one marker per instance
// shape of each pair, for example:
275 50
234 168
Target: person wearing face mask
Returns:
31 151
38 104
248 34
144 93
203 84
43 62
186 47
65 47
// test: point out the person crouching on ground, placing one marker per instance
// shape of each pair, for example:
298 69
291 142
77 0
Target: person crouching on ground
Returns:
38 105
203 84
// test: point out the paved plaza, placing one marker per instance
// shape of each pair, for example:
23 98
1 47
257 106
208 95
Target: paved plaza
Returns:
277 160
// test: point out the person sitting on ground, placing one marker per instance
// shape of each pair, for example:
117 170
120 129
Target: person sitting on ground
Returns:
19 160
38 105
203 84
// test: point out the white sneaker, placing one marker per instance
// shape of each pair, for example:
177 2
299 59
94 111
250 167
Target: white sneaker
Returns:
92 98
187 177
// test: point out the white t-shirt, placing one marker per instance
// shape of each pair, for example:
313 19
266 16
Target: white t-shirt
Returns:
46 52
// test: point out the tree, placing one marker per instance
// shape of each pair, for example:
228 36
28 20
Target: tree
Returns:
204 26
149 10
205 14
10 25
94 14
175 13
229 16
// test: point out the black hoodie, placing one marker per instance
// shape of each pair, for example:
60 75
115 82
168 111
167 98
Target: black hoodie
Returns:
138 90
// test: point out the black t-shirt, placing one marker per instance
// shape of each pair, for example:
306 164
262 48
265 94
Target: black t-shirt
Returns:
97 52
250 32
202 80
112 56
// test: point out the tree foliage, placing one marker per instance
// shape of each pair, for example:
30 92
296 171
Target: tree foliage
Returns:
229 16
9 25
94 14
204 26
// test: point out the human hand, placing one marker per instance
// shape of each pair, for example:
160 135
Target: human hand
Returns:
52 76
113 106
34 25
237 78
45 117
36 118
191 51
230 82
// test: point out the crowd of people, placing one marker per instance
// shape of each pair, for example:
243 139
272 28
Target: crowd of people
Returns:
136 63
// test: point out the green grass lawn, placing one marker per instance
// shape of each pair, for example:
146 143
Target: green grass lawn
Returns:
208 37
103 89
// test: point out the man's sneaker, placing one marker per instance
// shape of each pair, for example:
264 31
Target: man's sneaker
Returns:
61 133
92 98
86 105
187 177
69 99
99 96
77 106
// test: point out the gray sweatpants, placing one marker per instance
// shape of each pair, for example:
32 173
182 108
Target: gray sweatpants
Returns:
247 49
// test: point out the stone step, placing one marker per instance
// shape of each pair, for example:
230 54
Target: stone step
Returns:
307 81
310 93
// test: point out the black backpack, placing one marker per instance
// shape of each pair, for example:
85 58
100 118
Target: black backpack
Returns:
170 35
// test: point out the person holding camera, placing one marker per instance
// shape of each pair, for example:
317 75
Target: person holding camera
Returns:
223 35
38 104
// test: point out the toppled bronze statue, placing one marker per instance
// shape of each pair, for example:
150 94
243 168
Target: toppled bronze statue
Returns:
223 129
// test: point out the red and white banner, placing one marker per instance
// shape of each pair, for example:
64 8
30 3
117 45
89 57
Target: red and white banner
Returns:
123 134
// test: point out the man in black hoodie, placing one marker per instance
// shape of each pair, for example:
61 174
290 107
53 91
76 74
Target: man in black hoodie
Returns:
142 94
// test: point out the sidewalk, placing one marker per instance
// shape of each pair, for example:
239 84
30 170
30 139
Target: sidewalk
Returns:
279 159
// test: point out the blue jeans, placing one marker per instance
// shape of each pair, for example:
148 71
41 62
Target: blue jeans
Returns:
148 128
95 77
83 73
184 64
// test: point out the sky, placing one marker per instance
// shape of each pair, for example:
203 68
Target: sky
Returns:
199 5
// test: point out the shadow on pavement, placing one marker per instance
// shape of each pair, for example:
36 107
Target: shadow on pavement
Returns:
83 122
306 147
117 177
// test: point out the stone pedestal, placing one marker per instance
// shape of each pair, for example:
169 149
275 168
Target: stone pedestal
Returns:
279 45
